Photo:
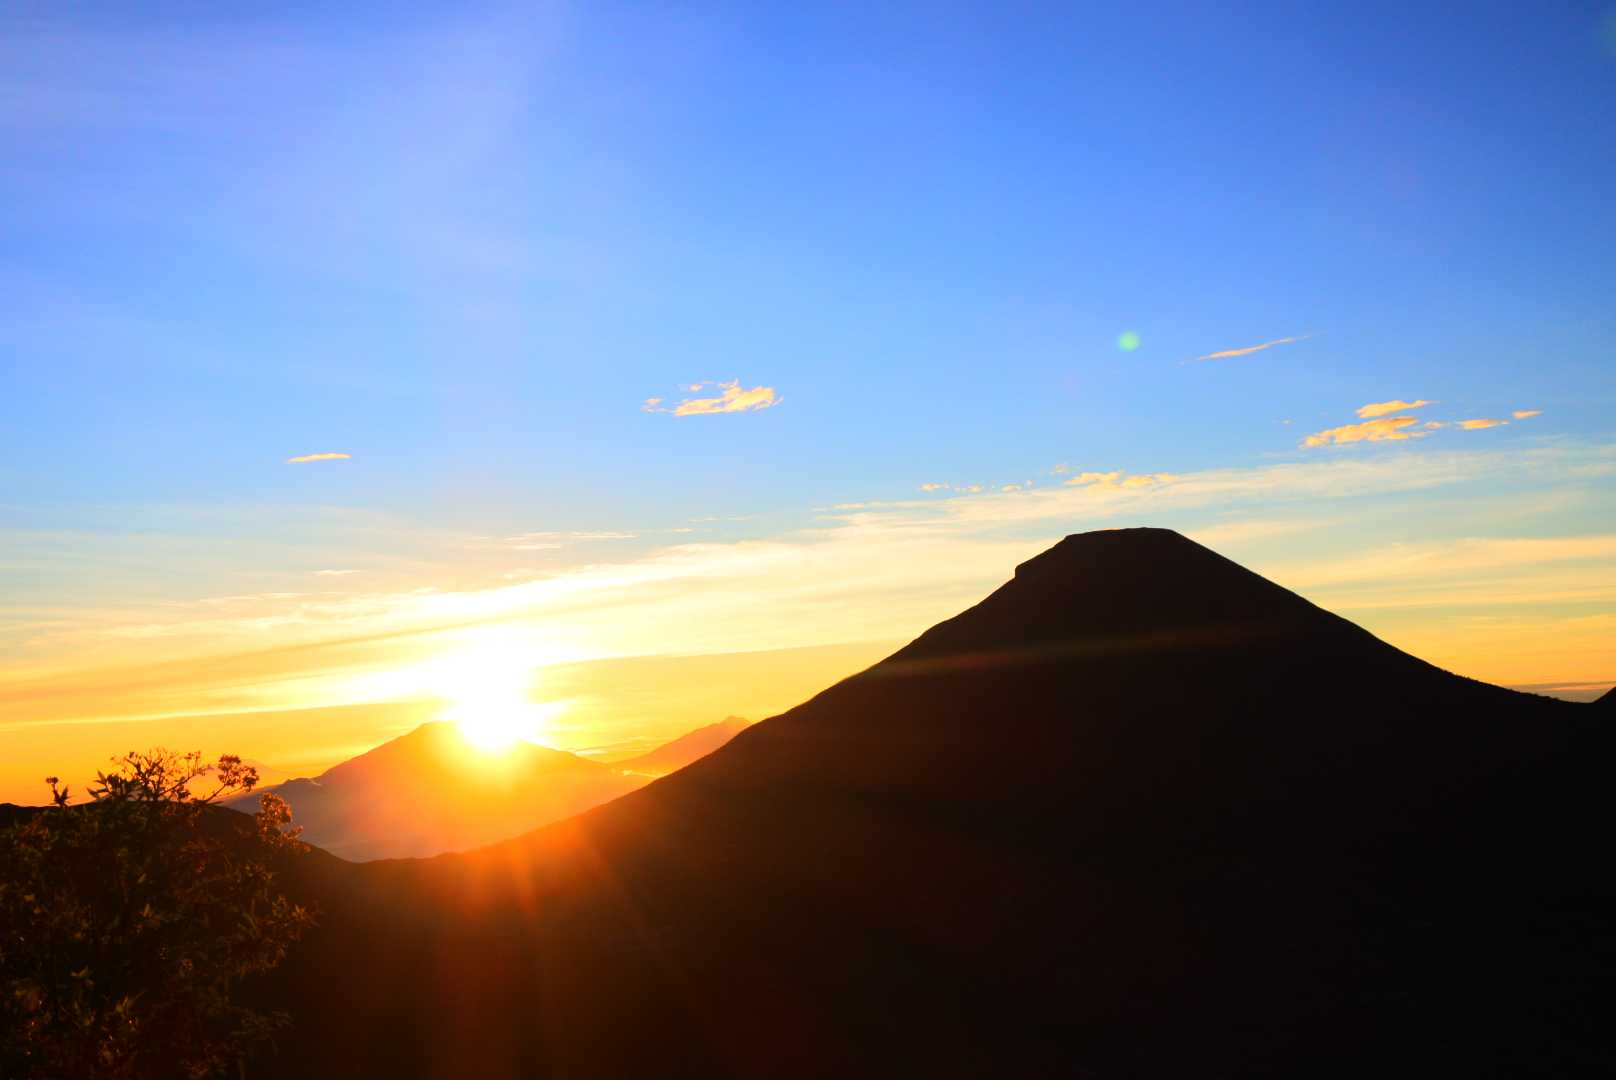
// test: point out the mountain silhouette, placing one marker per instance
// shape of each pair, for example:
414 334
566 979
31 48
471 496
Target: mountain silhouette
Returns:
1607 700
1139 813
688 747
429 791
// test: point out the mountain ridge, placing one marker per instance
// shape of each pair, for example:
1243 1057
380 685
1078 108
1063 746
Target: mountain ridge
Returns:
1138 812
428 791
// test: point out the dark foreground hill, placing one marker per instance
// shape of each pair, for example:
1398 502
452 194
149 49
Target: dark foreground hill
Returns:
1140 813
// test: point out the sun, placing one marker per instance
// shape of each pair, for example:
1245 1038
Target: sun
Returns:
489 697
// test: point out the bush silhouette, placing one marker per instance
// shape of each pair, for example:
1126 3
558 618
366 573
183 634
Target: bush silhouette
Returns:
126 922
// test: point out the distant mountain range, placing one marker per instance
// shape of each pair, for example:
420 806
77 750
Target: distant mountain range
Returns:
428 792
675 755
1139 813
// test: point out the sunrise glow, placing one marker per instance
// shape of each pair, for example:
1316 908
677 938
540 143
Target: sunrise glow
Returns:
488 695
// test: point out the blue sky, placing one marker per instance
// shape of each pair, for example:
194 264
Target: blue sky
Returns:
464 244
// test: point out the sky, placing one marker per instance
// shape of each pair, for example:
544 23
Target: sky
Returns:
664 362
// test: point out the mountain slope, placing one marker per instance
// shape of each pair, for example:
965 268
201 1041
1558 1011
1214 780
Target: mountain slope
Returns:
428 791
1138 813
691 746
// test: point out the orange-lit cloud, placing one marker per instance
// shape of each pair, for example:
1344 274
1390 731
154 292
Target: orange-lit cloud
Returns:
1385 429
1483 422
1118 479
732 398
1229 354
1383 408
305 458
934 487
1526 414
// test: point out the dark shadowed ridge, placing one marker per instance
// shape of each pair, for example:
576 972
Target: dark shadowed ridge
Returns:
1608 699
1139 813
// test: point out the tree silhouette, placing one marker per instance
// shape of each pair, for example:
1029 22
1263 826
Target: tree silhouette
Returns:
126 922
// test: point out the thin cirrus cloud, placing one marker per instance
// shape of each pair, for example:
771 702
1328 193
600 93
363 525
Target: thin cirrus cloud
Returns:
1481 423
1526 414
304 459
732 398
1385 408
1230 354
1382 429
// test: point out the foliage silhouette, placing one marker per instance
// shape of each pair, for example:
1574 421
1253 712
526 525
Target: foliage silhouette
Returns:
126 922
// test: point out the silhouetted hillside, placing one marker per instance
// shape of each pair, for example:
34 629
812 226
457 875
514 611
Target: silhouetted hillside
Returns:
1139 813
1608 699
689 747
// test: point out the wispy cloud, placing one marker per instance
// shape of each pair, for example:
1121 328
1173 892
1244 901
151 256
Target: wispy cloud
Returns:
1526 414
1447 558
1119 479
934 487
1383 408
304 459
882 570
1481 423
549 541
732 398
334 573
1384 429
1229 354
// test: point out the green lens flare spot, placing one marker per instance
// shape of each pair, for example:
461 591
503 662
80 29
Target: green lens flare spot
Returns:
1127 341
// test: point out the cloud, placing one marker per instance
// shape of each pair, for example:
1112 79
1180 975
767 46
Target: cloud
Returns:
1382 408
1228 354
1385 429
549 541
305 458
1119 479
1479 424
1526 414
882 572
733 398
1426 560
1433 425
334 573
1248 532
934 487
